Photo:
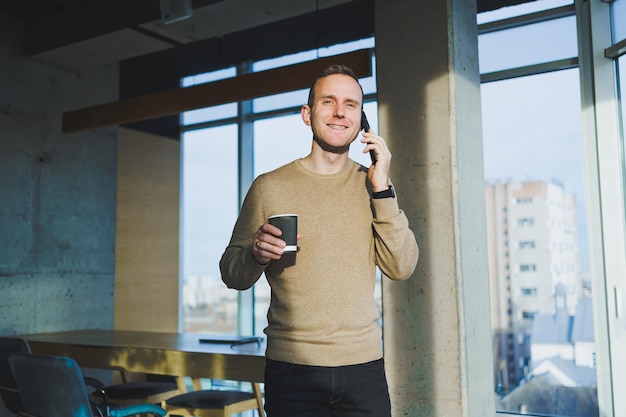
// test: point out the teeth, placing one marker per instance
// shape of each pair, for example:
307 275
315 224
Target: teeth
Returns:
337 127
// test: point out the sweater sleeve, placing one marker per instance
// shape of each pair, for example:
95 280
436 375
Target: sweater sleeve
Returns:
238 267
396 248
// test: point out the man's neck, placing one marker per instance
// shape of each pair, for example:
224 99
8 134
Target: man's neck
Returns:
325 162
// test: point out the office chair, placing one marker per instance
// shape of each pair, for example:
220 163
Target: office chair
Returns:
214 403
8 389
154 389
53 386
125 393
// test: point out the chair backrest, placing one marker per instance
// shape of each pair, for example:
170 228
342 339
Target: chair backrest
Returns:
8 389
50 386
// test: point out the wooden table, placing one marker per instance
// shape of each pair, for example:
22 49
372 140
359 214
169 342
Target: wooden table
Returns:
179 354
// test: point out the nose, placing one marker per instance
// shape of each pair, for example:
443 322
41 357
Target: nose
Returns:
338 110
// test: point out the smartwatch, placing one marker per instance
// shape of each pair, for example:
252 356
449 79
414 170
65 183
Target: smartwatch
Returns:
388 193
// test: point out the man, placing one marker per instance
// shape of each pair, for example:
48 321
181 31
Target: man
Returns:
324 353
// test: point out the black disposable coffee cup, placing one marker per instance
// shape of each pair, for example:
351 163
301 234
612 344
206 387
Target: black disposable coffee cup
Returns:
288 224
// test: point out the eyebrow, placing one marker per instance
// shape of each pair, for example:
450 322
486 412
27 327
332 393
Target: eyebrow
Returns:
334 97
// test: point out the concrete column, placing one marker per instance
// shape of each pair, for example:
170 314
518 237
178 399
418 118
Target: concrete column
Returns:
437 332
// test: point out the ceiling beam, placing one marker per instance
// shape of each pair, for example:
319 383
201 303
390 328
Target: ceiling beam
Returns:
243 87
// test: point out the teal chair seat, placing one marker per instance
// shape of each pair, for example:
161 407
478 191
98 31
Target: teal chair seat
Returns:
8 389
53 386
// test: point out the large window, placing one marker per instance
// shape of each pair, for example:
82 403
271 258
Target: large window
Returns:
548 260
534 157
533 149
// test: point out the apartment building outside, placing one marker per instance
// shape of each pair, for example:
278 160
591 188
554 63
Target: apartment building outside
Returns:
534 266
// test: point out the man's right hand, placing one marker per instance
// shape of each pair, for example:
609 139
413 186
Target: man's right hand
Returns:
267 244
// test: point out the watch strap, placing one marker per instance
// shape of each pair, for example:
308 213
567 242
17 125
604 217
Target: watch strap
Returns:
388 193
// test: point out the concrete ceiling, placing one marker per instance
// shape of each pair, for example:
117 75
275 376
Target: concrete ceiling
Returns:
76 34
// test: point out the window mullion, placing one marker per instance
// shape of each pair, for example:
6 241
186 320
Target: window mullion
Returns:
245 307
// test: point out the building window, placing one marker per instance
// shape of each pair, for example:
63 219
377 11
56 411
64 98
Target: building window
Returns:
528 268
525 222
529 291
527 244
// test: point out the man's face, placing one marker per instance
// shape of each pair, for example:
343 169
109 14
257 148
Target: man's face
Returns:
335 116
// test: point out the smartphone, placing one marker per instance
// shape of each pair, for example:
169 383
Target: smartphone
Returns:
366 126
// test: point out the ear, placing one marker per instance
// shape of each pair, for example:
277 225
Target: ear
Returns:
306 115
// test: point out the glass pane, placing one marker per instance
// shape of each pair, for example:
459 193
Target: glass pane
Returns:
521 9
311 55
207 77
208 306
528 45
206 114
283 61
618 14
280 101
538 246
342 48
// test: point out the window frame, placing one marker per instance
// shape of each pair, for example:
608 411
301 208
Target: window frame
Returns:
606 195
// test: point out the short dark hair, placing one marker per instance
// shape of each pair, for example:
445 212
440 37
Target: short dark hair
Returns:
332 70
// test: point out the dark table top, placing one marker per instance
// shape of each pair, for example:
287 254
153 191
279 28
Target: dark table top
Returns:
180 354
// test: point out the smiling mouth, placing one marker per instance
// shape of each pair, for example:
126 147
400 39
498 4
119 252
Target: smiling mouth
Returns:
337 127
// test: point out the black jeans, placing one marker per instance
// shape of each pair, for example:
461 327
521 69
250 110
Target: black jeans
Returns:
317 391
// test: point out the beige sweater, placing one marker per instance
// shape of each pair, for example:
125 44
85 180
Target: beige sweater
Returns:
322 310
